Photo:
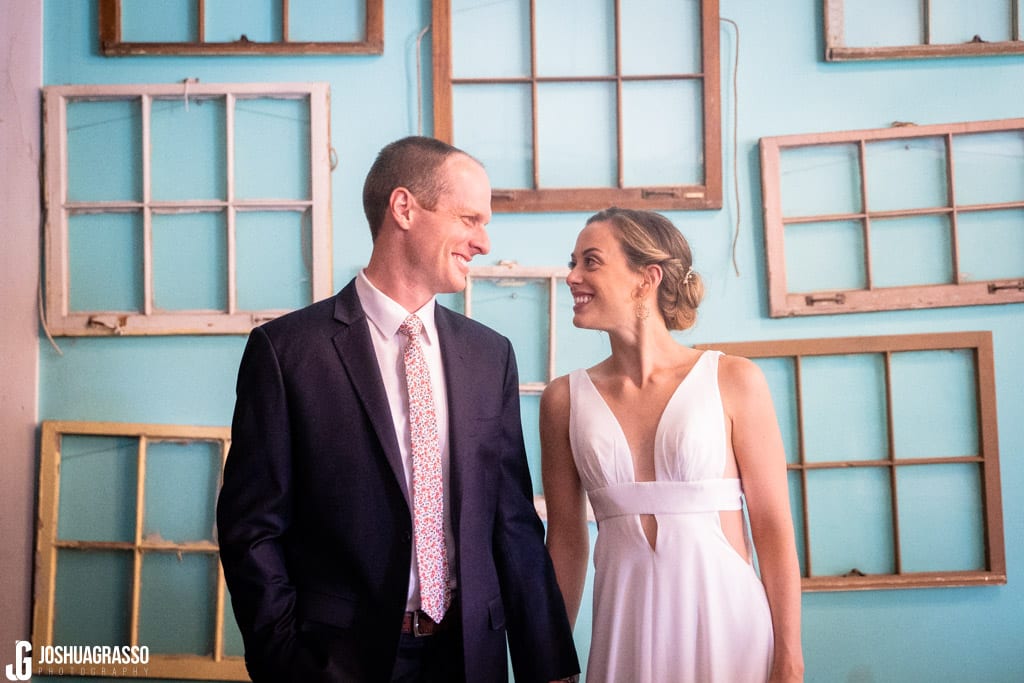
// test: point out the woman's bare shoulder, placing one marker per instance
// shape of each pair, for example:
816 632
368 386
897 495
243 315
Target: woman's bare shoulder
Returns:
739 376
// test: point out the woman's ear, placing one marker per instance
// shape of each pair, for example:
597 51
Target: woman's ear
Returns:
652 275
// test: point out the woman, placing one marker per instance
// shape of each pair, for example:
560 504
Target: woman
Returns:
667 441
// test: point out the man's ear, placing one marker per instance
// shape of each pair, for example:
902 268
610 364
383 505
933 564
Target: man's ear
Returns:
401 206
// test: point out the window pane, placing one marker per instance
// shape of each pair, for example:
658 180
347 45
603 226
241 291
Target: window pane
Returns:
272 148
529 406
662 133
189 149
257 20
104 150
843 401
920 165
105 262
991 244
575 37
327 20
672 25
874 23
781 377
576 135
175 610
911 251
233 645
478 50
168 21
190 262
181 490
961 21
97 488
575 347
820 180
935 410
981 157
823 256
857 535
496 122
519 310
93 592
941 518
796 508
273 267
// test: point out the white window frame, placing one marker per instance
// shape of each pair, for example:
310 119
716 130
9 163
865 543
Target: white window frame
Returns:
60 320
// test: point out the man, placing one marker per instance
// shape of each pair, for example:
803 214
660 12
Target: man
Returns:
366 536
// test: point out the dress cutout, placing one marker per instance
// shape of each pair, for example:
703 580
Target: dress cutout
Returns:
692 610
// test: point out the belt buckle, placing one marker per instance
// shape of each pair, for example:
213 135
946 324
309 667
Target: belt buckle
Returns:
416 625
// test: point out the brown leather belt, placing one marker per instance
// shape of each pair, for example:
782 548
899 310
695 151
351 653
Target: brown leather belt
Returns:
419 624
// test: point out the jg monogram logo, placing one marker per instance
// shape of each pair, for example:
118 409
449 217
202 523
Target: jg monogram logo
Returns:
21 670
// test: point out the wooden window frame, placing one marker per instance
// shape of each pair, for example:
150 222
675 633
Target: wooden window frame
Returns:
216 666
112 44
662 197
957 293
511 274
836 49
60 320
980 344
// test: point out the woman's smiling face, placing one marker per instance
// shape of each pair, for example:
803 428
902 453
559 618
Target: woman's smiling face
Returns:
601 280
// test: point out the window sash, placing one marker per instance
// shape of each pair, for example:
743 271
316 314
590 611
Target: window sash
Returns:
960 291
62 320
980 344
112 44
706 195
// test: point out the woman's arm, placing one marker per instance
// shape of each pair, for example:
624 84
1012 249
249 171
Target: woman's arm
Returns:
761 459
568 539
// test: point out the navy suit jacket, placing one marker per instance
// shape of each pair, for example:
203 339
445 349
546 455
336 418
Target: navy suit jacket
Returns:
314 529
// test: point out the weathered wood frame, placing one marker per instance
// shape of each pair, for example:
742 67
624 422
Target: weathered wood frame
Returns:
537 199
836 49
217 666
980 344
112 45
960 292
512 274
60 320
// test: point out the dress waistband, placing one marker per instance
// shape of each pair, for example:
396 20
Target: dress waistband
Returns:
666 497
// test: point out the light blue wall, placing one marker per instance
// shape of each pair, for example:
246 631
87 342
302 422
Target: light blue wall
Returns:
958 634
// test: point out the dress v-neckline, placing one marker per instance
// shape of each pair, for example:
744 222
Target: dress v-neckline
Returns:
661 418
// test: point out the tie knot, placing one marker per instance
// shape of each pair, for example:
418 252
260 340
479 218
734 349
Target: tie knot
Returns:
411 327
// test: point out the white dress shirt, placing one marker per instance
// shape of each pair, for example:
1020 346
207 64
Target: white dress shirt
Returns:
385 316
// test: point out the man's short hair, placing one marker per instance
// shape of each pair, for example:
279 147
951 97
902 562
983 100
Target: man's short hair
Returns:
413 163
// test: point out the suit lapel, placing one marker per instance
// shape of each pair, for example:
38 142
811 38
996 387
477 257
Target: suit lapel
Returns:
360 362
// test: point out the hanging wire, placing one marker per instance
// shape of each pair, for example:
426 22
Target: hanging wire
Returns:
735 136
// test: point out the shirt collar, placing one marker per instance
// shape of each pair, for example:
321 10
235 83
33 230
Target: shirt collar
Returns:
387 315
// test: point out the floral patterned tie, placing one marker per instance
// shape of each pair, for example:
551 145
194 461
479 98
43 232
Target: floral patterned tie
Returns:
427 489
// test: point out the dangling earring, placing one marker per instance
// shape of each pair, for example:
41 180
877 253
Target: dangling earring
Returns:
642 312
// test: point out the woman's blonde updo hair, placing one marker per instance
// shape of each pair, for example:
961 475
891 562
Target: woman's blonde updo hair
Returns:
648 239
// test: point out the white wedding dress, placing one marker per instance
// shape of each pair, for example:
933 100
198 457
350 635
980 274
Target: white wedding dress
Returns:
691 609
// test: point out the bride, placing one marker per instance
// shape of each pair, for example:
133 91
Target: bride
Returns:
668 442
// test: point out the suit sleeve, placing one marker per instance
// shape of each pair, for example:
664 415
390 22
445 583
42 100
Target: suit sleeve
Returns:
254 512
540 639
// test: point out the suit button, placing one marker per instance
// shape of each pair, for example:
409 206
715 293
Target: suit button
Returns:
407 536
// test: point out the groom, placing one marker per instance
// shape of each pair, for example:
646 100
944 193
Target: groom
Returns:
367 536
